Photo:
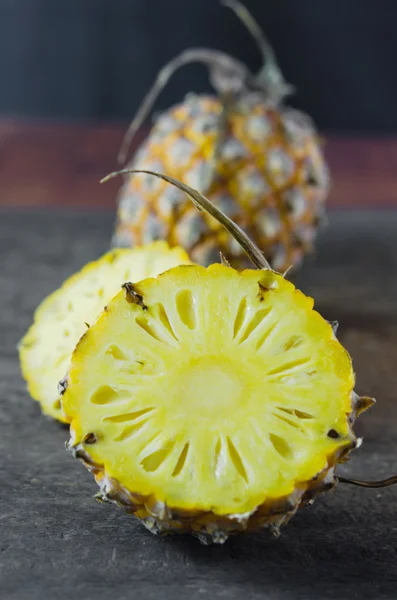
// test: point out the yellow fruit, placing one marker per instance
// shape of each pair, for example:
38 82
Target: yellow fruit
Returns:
212 401
259 161
217 402
64 316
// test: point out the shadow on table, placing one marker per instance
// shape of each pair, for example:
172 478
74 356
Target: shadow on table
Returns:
340 551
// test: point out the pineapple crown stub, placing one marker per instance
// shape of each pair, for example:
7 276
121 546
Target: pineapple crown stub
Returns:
260 262
229 76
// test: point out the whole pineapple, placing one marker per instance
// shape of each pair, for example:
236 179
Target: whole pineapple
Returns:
256 159
211 400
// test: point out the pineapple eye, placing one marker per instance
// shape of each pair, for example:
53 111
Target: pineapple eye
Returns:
302 415
240 317
158 333
165 321
90 438
128 432
312 180
181 460
333 434
117 352
153 461
293 342
236 459
128 417
104 395
185 305
281 446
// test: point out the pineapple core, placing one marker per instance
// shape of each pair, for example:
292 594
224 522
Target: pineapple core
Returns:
209 389
63 317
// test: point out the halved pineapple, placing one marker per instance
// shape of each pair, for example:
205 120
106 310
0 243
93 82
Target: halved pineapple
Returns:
210 400
64 316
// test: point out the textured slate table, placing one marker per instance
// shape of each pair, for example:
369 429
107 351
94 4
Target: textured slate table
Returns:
56 542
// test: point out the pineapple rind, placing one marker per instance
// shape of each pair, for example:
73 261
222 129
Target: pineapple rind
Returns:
41 377
160 510
271 179
209 526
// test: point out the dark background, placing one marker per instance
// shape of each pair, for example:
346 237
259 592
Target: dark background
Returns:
94 59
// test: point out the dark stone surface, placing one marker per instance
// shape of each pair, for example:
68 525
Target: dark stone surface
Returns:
57 542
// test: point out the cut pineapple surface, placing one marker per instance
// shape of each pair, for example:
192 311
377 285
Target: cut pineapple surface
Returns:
207 390
63 317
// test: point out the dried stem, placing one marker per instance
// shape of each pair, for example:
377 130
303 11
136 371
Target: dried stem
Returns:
369 484
224 260
201 202
247 19
270 76
226 74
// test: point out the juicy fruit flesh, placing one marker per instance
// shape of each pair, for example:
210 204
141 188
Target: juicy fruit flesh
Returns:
223 391
63 317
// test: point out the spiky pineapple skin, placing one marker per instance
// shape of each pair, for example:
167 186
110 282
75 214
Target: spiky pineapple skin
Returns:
209 527
271 178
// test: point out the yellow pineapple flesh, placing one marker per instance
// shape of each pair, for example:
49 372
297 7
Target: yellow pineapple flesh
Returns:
211 401
64 316
270 177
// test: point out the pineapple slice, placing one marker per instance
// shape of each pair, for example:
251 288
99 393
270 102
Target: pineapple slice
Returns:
210 400
64 316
